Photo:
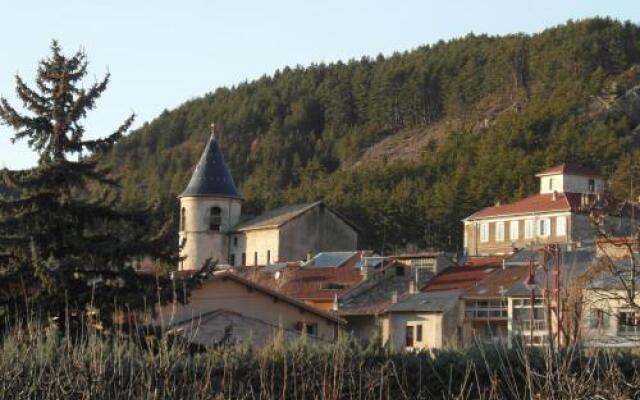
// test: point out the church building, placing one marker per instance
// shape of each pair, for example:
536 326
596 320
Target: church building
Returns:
212 224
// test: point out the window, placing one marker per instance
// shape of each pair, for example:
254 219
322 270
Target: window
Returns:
550 184
268 257
598 319
232 259
244 259
499 231
399 270
628 323
419 333
529 228
561 226
312 329
484 232
235 241
183 218
255 258
308 328
409 336
215 218
592 185
544 227
513 230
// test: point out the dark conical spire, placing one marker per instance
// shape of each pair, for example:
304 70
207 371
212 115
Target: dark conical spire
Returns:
211 176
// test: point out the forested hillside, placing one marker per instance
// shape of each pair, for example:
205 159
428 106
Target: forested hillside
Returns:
410 144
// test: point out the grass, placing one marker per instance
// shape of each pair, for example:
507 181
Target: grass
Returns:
36 364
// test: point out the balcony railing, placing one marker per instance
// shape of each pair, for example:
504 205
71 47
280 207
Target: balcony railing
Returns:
524 326
486 313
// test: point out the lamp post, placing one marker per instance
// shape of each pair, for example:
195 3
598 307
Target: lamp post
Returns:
530 283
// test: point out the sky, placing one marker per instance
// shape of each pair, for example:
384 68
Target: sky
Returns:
162 53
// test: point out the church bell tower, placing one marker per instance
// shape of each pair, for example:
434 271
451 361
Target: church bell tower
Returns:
209 207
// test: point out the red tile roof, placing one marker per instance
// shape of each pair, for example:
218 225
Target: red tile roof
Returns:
222 275
309 283
535 203
489 261
457 278
569 169
496 284
563 202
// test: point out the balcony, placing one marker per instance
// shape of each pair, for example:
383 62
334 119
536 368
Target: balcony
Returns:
524 326
486 313
486 309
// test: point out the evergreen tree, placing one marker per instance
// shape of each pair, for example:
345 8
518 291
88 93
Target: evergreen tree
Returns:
63 242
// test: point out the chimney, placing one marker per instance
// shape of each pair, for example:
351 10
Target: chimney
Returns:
335 302
412 287
554 196
394 297
365 270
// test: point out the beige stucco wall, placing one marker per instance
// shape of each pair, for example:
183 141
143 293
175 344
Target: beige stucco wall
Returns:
263 242
438 329
492 246
230 295
201 242
569 183
611 302
315 231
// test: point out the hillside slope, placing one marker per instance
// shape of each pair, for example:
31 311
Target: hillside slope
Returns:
409 144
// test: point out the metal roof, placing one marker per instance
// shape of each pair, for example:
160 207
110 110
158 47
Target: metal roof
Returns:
211 176
276 217
573 266
330 259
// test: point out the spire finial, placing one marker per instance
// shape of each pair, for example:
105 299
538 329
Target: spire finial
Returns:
213 130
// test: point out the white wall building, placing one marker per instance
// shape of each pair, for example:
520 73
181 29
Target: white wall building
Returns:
559 213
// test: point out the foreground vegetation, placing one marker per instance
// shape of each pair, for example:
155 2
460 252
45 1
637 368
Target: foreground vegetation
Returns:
35 365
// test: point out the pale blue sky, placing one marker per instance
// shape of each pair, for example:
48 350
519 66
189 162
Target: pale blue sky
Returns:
161 53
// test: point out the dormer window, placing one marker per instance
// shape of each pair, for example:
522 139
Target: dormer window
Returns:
592 185
215 218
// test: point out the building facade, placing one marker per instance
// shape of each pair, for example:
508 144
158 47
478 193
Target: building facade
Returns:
228 304
559 214
212 225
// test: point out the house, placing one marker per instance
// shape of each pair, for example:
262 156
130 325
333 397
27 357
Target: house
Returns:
611 319
423 320
365 304
431 318
530 324
229 306
486 306
320 281
212 224
559 213
425 265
